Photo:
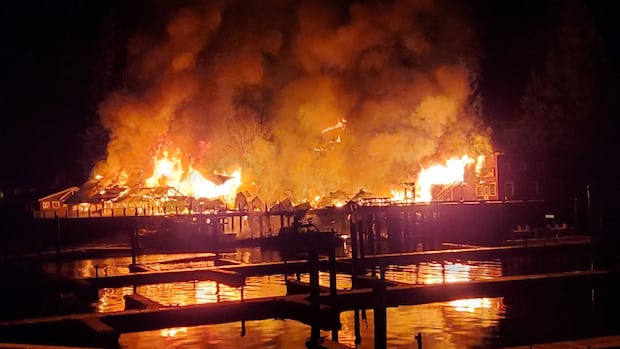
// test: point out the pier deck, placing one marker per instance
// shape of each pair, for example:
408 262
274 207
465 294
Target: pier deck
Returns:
98 328
234 274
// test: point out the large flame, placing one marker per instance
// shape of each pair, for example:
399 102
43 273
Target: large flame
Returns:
169 171
308 98
452 173
448 175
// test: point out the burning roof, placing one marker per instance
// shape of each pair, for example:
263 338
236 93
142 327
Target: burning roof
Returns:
237 96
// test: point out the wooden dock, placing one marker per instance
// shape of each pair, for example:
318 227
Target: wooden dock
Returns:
342 264
319 310
234 274
99 329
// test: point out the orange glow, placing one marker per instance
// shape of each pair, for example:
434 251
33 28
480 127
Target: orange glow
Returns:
435 273
452 172
173 332
169 171
471 305
449 175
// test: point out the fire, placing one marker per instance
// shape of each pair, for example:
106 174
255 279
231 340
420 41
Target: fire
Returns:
169 171
460 178
306 104
198 186
452 173
166 172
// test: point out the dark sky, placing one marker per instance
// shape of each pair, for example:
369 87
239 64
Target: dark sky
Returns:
60 58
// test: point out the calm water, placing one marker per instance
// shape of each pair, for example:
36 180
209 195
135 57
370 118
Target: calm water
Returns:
466 323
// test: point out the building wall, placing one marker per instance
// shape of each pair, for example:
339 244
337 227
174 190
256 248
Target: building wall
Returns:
520 178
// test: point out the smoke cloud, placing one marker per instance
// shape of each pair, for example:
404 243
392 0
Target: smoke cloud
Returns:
305 97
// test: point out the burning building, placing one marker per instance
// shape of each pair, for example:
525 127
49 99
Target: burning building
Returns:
293 101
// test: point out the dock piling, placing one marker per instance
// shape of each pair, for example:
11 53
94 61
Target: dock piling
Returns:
353 231
380 313
315 332
356 325
418 338
134 245
332 286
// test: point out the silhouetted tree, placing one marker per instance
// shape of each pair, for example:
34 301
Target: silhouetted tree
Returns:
559 118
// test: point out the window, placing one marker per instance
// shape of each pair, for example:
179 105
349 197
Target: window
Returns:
493 189
45 204
509 189
479 191
55 204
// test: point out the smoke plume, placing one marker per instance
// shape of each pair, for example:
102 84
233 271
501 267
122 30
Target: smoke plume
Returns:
305 97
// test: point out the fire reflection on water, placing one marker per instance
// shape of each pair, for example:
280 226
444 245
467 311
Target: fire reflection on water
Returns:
173 332
454 324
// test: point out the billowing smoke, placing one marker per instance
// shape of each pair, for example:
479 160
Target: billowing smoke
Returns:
306 98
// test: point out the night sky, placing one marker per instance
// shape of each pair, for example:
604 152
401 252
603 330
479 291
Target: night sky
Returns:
60 59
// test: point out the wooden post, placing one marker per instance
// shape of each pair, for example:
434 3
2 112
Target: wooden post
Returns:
58 235
362 249
332 285
216 241
353 231
371 233
315 332
134 245
379 308
443 271
332 265
418 339
261 222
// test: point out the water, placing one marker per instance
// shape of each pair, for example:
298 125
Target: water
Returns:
516 319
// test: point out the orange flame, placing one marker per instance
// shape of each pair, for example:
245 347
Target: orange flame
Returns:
169 171
453 172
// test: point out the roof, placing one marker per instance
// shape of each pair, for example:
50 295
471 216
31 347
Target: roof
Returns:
61 196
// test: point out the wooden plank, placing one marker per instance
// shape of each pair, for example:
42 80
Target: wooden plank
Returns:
228 277
363 281
300 266
478 253
138 301
295 307
100 332
224 261
430 293
301 287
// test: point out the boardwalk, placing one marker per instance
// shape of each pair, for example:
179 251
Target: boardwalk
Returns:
104 328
